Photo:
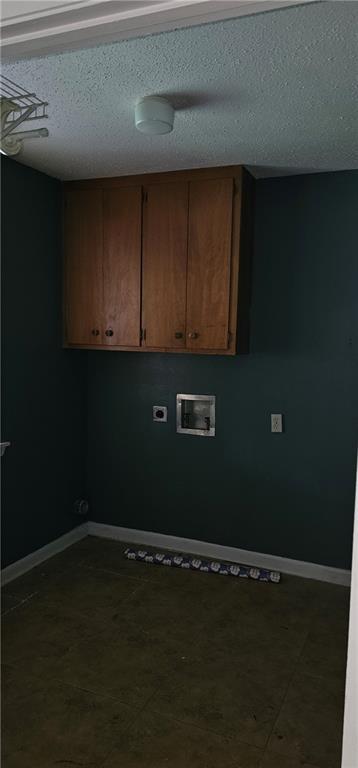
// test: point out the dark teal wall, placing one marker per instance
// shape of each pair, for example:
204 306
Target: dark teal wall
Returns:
290 495
43 386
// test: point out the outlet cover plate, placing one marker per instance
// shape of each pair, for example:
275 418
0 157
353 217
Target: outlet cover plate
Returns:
276 422
160 413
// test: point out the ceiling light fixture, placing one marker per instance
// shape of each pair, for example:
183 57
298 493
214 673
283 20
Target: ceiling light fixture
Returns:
154 115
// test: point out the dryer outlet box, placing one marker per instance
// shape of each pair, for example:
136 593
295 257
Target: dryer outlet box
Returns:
160 413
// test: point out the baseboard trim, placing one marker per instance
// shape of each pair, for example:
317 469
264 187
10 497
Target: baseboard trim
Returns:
189 546
35 558
218 551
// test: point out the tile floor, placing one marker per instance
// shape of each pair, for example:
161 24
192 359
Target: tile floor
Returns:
109 663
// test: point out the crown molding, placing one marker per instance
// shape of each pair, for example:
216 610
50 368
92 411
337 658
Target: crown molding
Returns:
49 28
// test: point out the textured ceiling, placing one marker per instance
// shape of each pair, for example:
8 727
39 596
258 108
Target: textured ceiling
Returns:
275 91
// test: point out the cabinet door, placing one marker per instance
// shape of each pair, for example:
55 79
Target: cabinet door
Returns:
165 232
122 214
83 271
209 261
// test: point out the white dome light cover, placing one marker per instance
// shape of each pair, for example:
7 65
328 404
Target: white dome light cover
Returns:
154 115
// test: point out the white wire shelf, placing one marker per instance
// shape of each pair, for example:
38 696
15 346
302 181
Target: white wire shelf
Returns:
18 107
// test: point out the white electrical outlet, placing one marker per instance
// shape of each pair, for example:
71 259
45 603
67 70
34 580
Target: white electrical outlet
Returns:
276 422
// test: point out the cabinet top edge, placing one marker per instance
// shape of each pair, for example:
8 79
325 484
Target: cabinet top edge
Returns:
162 177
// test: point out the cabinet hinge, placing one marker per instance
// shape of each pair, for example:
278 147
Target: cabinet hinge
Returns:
144 195
143 334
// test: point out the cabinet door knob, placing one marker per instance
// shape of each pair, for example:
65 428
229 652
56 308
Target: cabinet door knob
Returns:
178 335
193 335
95 332
109 332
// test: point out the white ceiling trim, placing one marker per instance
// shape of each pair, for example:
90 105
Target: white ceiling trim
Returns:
85 23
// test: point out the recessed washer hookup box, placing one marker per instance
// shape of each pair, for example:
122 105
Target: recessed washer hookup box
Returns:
196 415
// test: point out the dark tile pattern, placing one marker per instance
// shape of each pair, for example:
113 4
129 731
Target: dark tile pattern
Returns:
310 722
36 634
9 602
125 663
46 723
273 760
158 742
109 662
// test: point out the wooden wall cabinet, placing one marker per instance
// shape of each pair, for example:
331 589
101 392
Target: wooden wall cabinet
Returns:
209 263
165 244
159 262
83 266
102 266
